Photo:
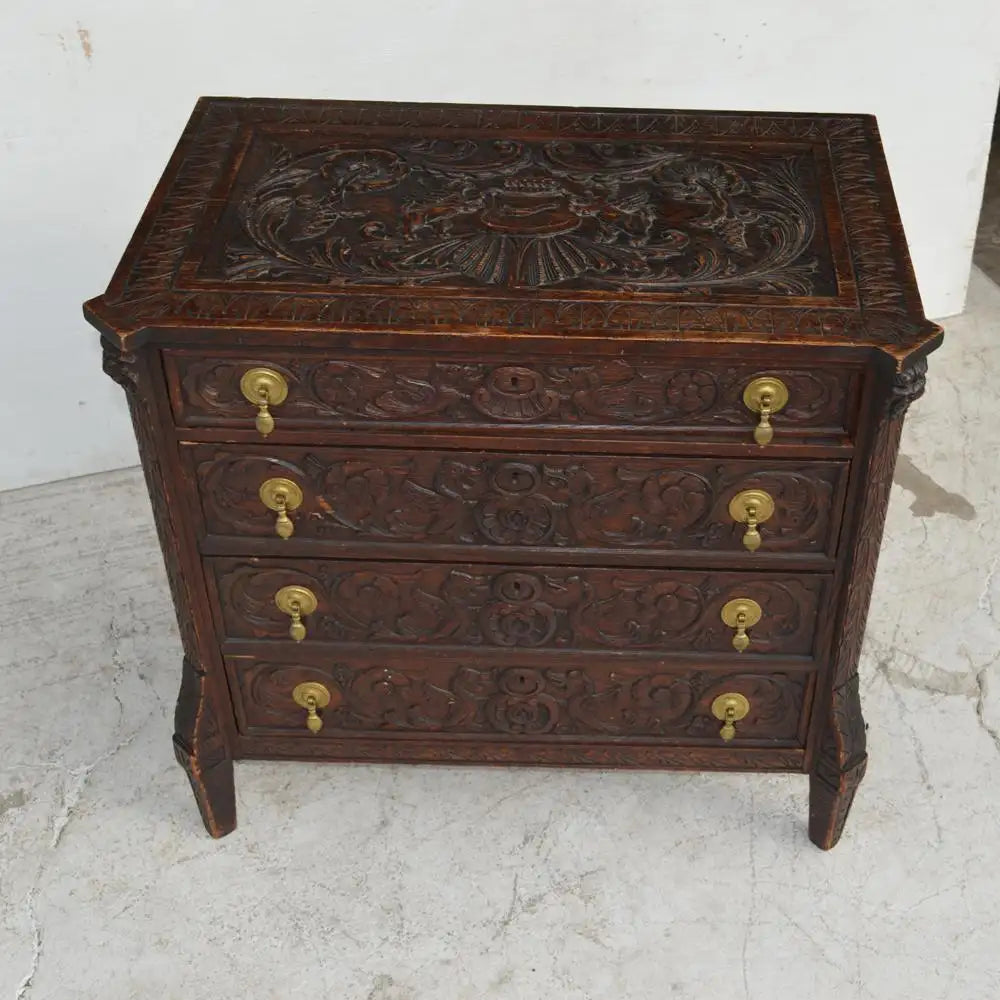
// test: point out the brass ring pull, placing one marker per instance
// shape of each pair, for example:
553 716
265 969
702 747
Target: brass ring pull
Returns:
296 602
752 508
281 496
312 696
729 708
741 614
765 395
265 388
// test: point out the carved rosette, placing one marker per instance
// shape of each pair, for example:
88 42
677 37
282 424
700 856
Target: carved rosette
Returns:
522 706
516 511
516 614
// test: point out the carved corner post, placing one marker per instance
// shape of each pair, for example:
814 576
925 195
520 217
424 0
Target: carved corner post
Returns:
841 757
200 743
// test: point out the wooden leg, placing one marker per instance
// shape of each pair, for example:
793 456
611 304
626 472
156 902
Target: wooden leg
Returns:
828 806
839 767
200 748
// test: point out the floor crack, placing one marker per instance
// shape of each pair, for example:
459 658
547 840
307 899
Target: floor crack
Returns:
923 676
36 946
918 751
79 777
116 636
506 919
985 602
982 680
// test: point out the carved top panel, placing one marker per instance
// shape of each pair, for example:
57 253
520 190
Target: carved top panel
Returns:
340 215
517 214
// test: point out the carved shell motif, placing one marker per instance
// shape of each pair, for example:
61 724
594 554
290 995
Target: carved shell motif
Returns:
515 393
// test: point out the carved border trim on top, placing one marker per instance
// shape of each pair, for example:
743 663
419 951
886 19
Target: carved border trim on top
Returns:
145 293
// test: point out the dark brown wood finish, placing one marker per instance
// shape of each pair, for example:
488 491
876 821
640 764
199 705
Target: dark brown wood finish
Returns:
203 723
482 502
842 756
513 394
399 695
516 342
583 608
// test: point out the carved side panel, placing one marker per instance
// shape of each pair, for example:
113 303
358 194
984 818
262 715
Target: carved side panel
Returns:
530 701
570 392
907 386
585 501
199 739
519 607
842 753
128 371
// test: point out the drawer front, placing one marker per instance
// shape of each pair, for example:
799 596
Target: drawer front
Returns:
407 696
591 502
518 607
678 398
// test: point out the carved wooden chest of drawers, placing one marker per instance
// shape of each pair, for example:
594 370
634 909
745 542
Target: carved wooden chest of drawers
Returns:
519 435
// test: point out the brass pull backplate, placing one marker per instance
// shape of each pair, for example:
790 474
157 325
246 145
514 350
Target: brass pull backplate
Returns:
311 695
281 496
265 388
729 708
296 602
766 396
740 614
752 508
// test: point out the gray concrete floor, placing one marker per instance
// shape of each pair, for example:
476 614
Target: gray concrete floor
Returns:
406 883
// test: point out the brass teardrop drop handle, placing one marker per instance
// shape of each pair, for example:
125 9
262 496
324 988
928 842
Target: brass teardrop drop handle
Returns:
740 614
766 396
264 388
281 496
312 696
729 708
752 508
296 602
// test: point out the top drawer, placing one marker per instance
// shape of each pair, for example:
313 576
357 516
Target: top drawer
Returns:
663 398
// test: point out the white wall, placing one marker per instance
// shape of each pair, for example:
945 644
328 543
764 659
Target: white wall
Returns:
95 92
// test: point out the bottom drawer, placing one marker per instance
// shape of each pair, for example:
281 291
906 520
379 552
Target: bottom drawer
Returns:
406 696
